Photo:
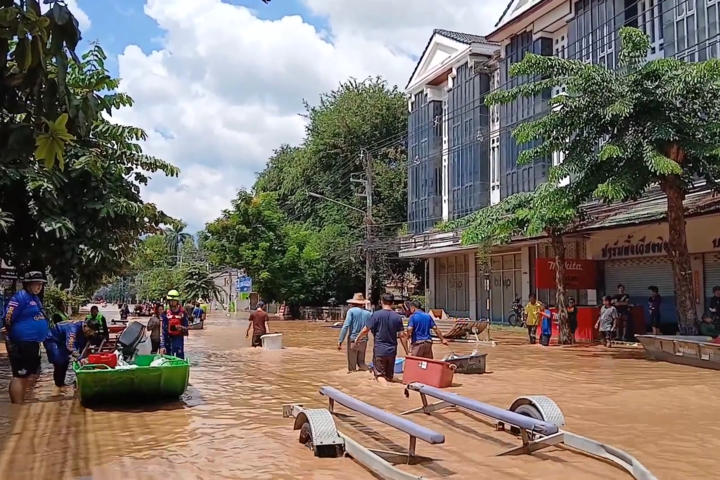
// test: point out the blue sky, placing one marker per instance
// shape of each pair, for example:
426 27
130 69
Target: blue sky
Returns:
119 23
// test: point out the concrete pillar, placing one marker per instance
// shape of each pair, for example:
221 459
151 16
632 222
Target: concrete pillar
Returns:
472 297
526 271
698 270
430 291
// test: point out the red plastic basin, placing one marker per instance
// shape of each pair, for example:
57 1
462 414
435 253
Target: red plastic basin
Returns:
435 373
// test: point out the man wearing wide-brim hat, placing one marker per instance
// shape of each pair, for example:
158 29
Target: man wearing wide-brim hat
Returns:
355 320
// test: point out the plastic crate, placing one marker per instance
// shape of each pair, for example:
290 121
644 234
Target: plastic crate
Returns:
435 373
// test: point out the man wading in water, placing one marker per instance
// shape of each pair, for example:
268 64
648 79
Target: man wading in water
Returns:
355 320
386 326
259 324
419 326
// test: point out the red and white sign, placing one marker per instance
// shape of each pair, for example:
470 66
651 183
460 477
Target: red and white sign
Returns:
579 274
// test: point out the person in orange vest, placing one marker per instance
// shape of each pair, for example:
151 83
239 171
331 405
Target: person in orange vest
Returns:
174 327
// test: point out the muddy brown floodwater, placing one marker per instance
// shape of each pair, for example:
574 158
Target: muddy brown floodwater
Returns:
229 424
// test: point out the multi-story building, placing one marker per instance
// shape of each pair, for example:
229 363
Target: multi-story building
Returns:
462 156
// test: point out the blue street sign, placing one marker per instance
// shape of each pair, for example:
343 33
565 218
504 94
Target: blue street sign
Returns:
244 285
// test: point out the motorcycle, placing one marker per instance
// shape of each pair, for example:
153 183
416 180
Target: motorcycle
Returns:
516 317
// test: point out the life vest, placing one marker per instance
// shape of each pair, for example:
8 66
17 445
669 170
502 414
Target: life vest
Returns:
175 322
98 319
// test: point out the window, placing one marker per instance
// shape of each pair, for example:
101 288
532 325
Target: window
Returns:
686 29
495 163
560 45
650 22
712 20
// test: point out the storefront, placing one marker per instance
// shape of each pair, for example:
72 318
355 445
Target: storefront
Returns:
501 286
452 284
637 274
636 257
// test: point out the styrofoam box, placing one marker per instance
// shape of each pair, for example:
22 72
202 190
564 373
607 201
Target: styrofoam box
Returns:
272 341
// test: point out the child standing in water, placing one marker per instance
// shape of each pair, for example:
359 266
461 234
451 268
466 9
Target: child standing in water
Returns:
546 326
607 321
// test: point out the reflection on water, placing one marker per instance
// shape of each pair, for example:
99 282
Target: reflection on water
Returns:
229 424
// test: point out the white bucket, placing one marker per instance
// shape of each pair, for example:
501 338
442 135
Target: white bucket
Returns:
272 341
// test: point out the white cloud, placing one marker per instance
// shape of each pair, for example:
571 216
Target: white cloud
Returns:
226 87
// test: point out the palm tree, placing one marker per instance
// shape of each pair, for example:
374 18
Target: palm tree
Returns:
175 237
199 284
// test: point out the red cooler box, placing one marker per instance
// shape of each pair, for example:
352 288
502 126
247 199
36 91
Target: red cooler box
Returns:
109 359
435 373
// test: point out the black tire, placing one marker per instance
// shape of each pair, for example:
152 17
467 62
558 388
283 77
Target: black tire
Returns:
512 320
530 411
306 435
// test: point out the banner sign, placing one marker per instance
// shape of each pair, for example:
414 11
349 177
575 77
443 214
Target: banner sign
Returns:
579 274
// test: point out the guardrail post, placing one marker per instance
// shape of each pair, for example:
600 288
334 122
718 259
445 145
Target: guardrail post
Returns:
331 405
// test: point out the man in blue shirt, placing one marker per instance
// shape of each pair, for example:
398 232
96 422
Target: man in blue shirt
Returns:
66 341
198 314
26 326
419 326
355 320
386 326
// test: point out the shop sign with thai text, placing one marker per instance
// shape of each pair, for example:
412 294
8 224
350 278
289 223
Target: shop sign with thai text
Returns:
642 247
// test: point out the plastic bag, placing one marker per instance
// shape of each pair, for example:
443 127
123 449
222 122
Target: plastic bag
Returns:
159 361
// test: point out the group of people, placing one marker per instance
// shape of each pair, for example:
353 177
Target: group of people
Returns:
26 326
614 321
388 329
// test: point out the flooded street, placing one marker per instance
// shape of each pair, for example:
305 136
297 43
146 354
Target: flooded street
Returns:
229 424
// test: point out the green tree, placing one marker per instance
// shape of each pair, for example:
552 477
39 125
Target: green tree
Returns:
198 284
345 121
84 219
549 211
36 99
154 284
623 132
175 237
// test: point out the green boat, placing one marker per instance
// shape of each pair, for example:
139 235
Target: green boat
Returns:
100 383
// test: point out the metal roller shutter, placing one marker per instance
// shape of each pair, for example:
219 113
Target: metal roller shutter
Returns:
711 274
637 274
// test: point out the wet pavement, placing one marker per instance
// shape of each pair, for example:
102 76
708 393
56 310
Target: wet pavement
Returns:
229 424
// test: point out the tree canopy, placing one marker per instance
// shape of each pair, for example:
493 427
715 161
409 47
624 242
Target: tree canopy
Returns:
304 249
69 177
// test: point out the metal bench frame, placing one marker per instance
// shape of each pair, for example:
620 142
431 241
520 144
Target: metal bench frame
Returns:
536 434
413 430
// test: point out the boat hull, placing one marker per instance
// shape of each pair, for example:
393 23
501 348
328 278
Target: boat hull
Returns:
99 383
697 352
197 326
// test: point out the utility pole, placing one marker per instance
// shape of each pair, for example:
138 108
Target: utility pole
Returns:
367 182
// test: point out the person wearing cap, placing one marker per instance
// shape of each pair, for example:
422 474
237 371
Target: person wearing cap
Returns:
26 326
66 342
174 327
355 320
258 321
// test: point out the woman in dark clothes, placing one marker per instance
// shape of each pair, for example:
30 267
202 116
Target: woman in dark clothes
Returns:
572 317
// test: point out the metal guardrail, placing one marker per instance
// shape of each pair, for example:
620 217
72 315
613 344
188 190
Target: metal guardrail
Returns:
539 421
